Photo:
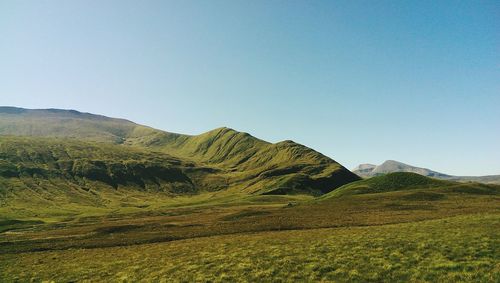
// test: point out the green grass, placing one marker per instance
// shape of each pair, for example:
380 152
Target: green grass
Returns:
54 178
68 124
387 183
457 249
8 225
247 163
91 198
445 233
207 216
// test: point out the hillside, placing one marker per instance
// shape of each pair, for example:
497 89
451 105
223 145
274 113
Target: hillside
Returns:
94 161
391 166
388 183
68 123
288 164
405 181
56 176
112 165
269 223
119 197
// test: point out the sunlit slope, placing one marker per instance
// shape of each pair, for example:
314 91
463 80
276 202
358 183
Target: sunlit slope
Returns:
405 181
246 163
54 176
286 165
78 161
57 177
68 123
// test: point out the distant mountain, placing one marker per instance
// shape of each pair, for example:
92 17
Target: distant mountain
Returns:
42 150
364 169
391 166
69 124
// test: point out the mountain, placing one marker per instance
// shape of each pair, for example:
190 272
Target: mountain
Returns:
70 124
388 183
489 179
364 169
94 160
391 166
408 181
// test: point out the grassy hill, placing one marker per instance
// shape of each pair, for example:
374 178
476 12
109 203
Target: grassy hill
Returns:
56 177
391 166
388 183
64 162
290 166
405 181
49 158
86 197
69 124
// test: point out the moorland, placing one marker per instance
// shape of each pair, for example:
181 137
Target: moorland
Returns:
85 197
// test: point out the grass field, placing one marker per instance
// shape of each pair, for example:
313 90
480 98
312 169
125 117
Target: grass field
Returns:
433 234
455 249
205 217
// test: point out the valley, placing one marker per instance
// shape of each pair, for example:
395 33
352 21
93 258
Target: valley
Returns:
86 197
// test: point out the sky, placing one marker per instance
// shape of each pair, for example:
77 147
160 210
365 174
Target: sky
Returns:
359 81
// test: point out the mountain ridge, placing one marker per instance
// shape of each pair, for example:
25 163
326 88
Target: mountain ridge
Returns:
425 188
392 166
92 160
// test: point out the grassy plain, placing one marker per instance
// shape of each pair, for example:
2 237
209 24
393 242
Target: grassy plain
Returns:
446 234
455 249
248 214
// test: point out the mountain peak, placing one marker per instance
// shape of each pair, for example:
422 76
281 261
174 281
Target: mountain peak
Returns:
393 162
391 166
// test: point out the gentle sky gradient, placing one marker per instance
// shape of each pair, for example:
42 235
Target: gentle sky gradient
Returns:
360 81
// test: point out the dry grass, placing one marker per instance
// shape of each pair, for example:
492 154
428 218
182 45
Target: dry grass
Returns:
458 249
199 221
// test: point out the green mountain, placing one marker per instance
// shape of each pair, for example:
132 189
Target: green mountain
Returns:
64 156
254 162
391 166
71 181
68 123
407 181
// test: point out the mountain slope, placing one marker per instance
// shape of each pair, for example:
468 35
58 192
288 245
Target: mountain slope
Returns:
290 164
407 181
63 177
68 123
79 157
391 166
77 161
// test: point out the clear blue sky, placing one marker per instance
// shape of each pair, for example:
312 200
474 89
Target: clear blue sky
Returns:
360 81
